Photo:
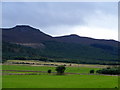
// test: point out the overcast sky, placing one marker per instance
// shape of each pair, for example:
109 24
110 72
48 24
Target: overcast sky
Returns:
90 19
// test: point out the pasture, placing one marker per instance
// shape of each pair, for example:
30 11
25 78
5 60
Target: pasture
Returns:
57 81
45 68
45 80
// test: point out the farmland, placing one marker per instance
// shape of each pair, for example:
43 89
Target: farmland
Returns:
45 68
54 81
80 77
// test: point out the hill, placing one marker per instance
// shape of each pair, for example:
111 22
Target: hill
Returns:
70 48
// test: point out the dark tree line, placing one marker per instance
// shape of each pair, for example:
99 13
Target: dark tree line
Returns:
109 70
18 52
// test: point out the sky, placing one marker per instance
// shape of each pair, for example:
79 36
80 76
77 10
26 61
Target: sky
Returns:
88 19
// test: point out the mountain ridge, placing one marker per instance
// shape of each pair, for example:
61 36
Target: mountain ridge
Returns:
72 47
21 29
33 28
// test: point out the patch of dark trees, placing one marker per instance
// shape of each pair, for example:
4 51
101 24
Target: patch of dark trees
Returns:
45 59
17 52
111 71
108 70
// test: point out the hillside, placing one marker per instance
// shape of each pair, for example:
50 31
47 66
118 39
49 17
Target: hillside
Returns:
24 34
28 34
70 48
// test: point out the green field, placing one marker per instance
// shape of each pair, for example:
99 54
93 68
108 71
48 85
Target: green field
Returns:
45 68
56 81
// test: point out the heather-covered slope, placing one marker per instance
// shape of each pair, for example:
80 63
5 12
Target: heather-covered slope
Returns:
71 48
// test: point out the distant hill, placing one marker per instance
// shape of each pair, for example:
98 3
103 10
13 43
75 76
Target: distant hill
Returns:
27 34
73 38
24 34
72 48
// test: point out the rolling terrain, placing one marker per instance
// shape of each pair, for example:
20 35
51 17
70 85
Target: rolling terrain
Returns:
30 43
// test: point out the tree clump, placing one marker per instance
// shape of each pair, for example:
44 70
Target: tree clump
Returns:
92 71
60 70
111 71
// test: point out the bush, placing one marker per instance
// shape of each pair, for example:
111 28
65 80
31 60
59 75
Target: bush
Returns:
49 71
60 69
92 71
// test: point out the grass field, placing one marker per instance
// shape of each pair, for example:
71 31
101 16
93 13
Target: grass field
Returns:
56 81
45 68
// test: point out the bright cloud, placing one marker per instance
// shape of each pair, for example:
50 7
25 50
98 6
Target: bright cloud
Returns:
98 33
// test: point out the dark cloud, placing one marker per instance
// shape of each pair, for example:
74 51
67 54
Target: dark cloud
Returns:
47 14
59 18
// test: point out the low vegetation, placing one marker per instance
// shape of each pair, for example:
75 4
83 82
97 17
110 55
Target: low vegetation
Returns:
109 70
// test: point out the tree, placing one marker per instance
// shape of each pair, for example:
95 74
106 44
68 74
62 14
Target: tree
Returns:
91 71
111 71
60 69
49 71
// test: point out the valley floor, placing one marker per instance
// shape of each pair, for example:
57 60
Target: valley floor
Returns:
54 81
28 76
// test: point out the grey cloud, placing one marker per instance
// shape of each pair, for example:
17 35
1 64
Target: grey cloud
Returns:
46 14
52 14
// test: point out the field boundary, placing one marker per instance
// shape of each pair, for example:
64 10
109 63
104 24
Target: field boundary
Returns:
44 72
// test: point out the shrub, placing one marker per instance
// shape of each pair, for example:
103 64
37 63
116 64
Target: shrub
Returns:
49 71
92 71
60 69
